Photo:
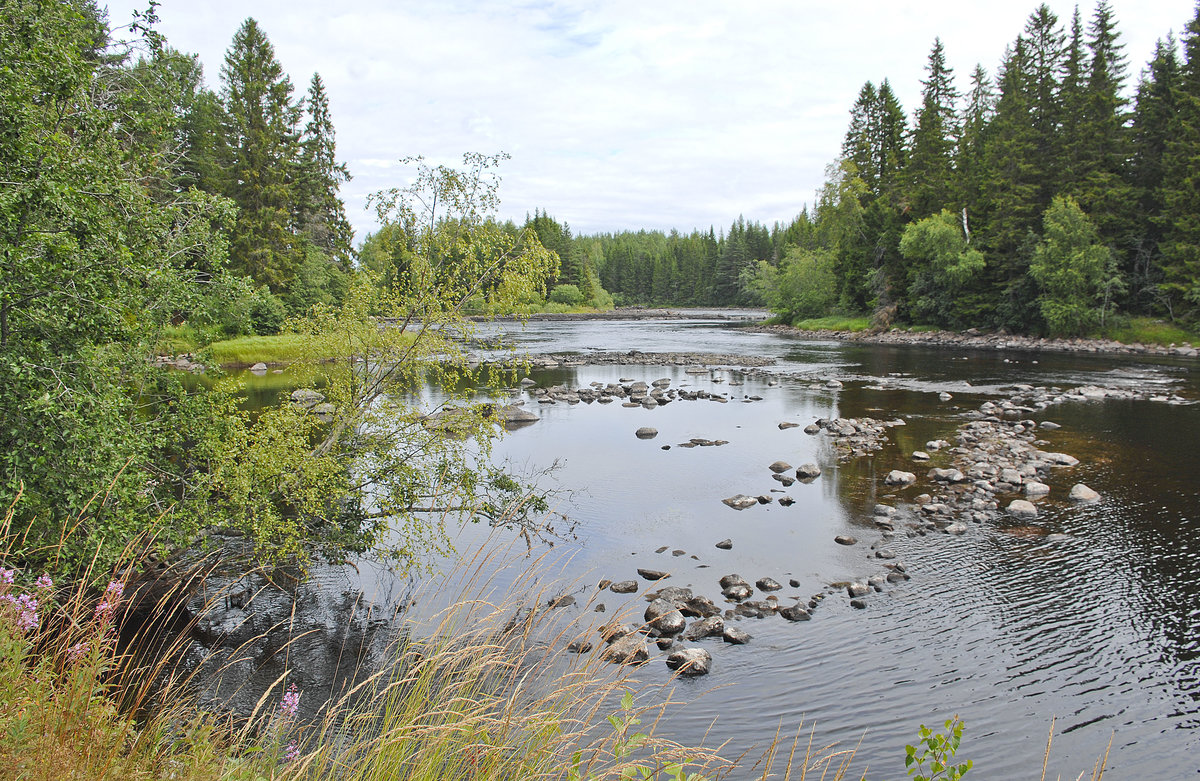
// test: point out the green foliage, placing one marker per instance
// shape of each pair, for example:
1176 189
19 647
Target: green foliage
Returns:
95 260
804 285
1075 274
942 267
626 745
266 312
938 751
566 294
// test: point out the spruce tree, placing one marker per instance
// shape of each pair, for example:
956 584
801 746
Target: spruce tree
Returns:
1044 63
320 213
969 155
930 171
1012 181
1102 186
263 147
1074 97
1152 119
874 142
1180 262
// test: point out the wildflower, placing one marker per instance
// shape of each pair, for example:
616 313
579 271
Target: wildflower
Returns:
7 575
291 702
26 607
108 605
44 583
77 652
292 752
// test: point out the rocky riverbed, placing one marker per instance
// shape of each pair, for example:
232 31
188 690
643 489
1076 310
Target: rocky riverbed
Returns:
993 472
975 339
990 473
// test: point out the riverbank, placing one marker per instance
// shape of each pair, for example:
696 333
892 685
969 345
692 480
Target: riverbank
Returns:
975 340
636 313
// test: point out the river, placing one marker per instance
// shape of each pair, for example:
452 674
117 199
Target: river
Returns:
1097 627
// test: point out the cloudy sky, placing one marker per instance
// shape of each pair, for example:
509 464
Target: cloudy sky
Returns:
627 114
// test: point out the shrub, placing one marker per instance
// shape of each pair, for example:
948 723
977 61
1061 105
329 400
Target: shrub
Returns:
566 294
267 313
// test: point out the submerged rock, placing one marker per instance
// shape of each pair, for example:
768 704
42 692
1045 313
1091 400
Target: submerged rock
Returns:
740 501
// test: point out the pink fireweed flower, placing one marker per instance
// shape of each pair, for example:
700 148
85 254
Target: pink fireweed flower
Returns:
26 609
292 752
291 702
108 605
44 583
77 652
7 575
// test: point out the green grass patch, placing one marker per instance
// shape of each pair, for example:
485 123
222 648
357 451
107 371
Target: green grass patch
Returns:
1147 330
177 339
249 350
835 323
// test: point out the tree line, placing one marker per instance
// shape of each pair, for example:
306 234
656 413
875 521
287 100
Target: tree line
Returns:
1041 199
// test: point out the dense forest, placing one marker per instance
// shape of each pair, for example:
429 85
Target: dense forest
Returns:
143 212
1040 199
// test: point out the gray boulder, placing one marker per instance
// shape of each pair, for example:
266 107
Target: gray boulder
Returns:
1021 508
690 661
808 472
627 650
713 626
664 618
897 477
1082 494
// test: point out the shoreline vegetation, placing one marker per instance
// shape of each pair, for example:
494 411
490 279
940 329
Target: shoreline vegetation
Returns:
91 688
1141 337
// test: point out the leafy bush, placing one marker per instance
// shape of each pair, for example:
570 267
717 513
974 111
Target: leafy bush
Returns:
566 294
266 312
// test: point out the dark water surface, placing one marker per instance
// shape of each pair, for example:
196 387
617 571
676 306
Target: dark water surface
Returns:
1003 626
1008 630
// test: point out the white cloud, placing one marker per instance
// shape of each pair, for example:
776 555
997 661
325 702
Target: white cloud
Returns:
620 114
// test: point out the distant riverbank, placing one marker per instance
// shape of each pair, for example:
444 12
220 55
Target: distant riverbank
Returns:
974 339
639 313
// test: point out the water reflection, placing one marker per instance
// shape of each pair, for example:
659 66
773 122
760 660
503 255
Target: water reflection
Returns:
1008 628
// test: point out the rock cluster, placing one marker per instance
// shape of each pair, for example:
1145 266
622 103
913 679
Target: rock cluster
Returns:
183 362
632 393
854 437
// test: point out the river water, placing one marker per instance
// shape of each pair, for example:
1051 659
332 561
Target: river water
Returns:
1097 627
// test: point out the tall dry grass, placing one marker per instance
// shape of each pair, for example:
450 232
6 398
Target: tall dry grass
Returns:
484 691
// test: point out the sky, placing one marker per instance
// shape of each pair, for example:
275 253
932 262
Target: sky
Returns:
621 114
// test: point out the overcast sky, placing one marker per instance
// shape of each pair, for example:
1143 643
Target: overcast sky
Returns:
620 115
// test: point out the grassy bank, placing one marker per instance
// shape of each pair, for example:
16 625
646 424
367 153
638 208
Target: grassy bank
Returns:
853 323
483 696
1147 330
248 350
1127 330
